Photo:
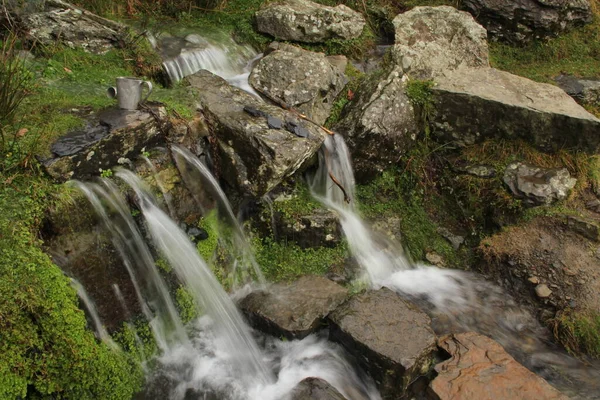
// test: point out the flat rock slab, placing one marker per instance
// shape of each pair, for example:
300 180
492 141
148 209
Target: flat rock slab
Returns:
114 137
475 104
293 310
316 389
389 336
480 369
253 157
536 185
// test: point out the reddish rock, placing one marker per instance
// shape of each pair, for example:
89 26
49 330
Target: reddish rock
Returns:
480 369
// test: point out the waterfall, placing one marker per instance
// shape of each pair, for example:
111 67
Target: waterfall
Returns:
456 300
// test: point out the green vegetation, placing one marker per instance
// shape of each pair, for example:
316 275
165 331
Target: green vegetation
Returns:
186 306
301 203
578 333
45 348
420 95
207 247
136 339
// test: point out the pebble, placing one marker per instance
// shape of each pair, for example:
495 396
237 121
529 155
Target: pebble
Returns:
534 279
543 291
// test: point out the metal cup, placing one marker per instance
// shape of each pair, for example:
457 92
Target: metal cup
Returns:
129 92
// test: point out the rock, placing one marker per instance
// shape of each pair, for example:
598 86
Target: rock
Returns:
293 310
379 117
389 336
305 21
111 138
431 41
252 157
302 79
542 291
586 228
315 388
435 259
537 186
522 21
593 205
61 22
318 228
480 369
455 240
478 104
534 280
586 91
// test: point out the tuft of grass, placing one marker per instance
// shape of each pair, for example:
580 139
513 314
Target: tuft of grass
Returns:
578 332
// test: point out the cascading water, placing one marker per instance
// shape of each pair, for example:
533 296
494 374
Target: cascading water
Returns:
218 357
456 300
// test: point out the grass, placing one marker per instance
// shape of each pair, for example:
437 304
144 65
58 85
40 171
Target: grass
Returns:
579 333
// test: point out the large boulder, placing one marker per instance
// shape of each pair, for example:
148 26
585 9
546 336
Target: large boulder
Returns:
431 41
521 21
380 116
537 186
389 336
305 21
304 80
480 369
317 389
293 310
113 137
60 22
256 145
475 104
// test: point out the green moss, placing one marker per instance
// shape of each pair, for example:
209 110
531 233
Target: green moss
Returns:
137 339
186 305
288 261
45 348
206 248
578 332
299 204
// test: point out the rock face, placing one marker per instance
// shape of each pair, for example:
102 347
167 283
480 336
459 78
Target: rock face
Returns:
253 153
116 137
586 91
433 40
379 117
390 338
536 185
480 369
317 389
305 21
319 227
521 21
304 80
62 22
472 105
293 310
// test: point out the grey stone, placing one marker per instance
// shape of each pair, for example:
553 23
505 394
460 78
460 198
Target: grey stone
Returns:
293 310
304 80
586 91
537 186
380 116
128 133
274 123
315 388
455 240
431 41
584 227
305 21
319 227
253 158
473 105
390 338
61 22
524 20
543 291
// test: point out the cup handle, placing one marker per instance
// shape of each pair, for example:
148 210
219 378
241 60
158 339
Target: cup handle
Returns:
149 86
111 92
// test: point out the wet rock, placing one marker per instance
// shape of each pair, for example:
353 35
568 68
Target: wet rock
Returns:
114 137
522 21
586 91
252 158
319 227
196 234
542 291
389 336
305 21
379 117
61 22
304 80
478 104
584 227
315 388
537 186
431 41
293 310
480 369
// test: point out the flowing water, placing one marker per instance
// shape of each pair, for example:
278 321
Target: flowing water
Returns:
456 300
